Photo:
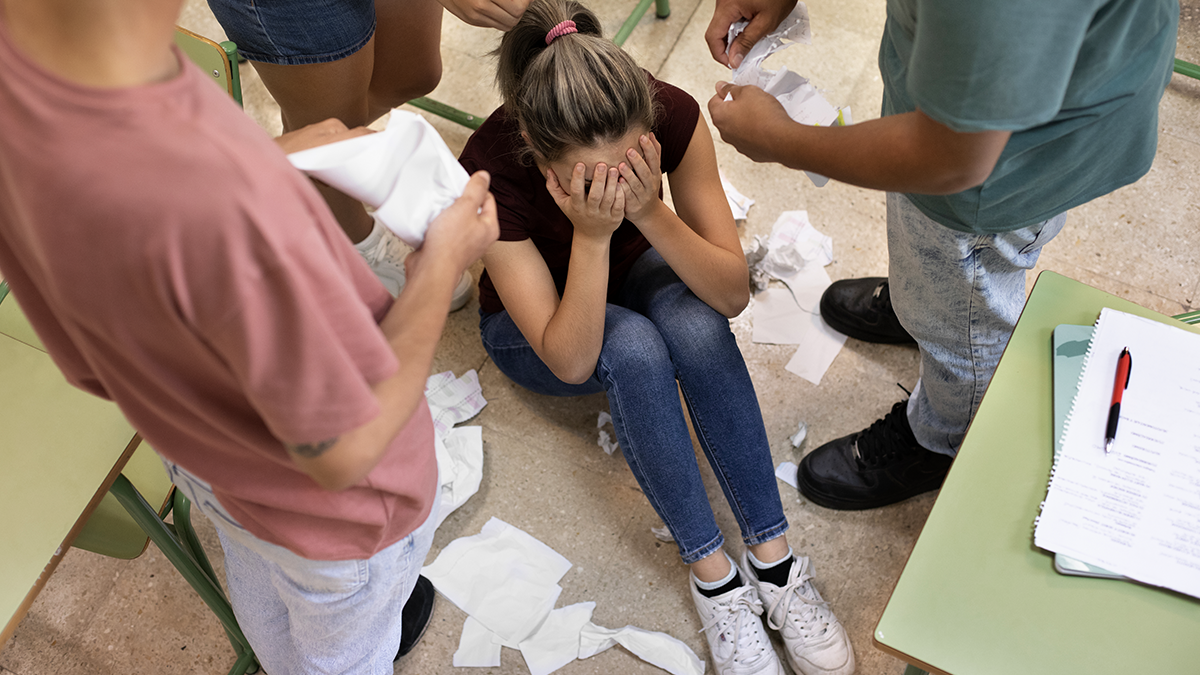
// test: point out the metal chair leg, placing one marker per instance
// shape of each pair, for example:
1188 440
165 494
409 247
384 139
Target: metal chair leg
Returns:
208 589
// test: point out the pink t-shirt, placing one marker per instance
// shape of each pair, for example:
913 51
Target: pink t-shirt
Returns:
172 260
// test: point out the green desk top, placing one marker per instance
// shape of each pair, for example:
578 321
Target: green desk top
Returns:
58 447
976 597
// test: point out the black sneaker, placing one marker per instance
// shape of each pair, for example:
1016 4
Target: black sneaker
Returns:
881 465
416 615
862 309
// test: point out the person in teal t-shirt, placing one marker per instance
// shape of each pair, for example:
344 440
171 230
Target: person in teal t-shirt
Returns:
998 117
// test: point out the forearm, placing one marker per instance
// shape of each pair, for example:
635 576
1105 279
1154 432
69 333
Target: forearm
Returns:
717 276
570 345
898 153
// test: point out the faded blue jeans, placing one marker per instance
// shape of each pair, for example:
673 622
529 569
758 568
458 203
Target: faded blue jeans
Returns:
656 334
313 617
959 295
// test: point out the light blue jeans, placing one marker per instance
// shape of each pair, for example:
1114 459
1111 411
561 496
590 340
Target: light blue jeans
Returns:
313 617
659 338
959 295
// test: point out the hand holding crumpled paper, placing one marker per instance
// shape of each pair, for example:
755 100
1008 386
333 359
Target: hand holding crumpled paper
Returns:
405 172
799 98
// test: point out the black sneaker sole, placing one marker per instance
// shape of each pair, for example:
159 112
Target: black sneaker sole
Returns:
813 494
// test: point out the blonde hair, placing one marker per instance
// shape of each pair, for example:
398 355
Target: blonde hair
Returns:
579 91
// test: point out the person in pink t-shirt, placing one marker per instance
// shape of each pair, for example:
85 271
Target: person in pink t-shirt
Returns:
172 261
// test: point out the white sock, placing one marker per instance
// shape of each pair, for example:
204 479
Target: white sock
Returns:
758 564
713 585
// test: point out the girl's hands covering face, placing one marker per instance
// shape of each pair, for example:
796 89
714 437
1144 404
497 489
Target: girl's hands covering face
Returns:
641 177
596 210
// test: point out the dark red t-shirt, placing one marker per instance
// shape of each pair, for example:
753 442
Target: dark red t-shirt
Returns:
526 209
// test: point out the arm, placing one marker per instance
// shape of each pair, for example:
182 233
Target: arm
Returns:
764 16
412 327
566 334
910 152
498 14
700 243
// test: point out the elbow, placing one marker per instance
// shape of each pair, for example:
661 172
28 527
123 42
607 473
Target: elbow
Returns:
955 181
573 374
736 304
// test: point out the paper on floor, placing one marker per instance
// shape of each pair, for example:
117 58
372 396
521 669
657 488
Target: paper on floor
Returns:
786 472
503 577
796 94
459 451
405 172
801 433
816 351
739 203
606 442
507 582
795 253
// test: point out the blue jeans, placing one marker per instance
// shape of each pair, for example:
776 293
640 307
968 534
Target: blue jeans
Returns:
658 334
959 295
313 617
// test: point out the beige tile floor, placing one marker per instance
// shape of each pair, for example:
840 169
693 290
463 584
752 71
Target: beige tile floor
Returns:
544 471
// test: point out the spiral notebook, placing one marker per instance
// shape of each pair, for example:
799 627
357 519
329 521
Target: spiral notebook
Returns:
1136 510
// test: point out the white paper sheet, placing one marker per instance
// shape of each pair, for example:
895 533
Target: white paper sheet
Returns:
478 647
1136 510
405 172
556 643
503 577
459 450
796 94
787 472
816 351
778 320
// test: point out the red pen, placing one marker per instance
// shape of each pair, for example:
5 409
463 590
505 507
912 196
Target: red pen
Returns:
1120 384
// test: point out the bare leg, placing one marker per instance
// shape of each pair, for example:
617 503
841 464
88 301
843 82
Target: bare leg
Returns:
401 62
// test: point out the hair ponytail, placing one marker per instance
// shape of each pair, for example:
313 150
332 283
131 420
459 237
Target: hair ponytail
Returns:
579 90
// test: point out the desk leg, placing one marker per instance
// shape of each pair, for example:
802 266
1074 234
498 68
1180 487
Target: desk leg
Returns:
207 588
913 670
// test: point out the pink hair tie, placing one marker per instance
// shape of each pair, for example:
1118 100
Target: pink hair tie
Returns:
564 28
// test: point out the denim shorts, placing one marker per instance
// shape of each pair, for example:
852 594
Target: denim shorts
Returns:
296 32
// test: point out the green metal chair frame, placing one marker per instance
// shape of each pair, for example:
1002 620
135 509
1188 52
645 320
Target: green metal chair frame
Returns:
662 9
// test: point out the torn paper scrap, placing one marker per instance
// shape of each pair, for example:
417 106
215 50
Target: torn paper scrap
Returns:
460 468
606 442
655 648
794 28
778 320
794 244
799 98
801 433
754 256
556 643
478 647
739 203
816 351
502 576
453 399
662 534
405 172
786 472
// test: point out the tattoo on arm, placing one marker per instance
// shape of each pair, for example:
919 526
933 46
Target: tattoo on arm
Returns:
311 450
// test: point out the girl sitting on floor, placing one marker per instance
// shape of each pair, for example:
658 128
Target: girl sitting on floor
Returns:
596 284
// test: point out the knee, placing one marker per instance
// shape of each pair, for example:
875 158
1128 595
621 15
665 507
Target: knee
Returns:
420 81
635 349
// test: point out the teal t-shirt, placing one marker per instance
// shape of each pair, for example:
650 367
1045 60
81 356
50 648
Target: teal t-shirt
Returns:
1077 82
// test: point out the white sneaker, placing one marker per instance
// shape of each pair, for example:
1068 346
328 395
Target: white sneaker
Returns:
815 641
736 637
385 254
